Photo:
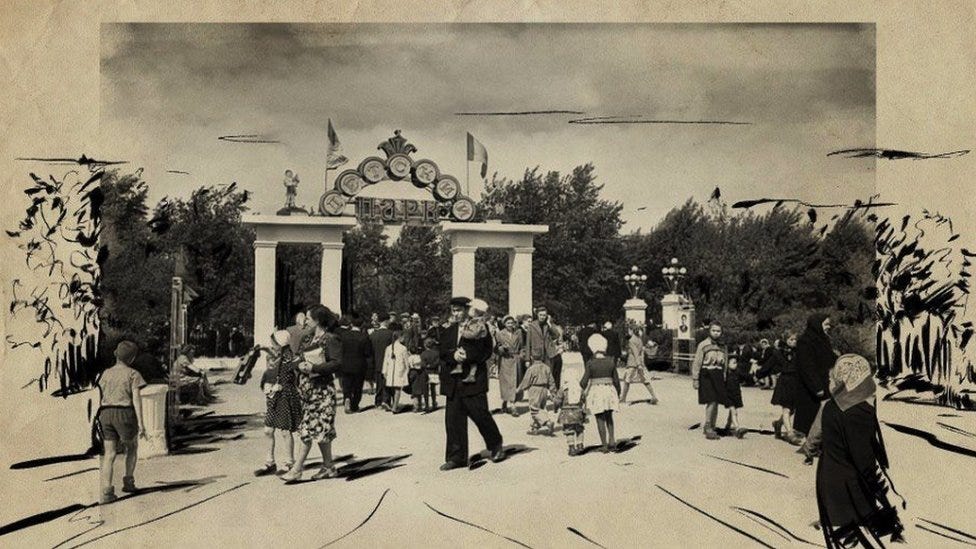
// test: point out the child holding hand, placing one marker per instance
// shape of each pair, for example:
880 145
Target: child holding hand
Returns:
733 393
601 385
571 417
284 405
538 384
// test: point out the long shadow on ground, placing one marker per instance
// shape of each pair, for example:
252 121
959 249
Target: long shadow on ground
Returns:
623 445
48 516
209 429
360 468
478 460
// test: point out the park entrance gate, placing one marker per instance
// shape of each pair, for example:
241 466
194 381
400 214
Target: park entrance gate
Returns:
340 209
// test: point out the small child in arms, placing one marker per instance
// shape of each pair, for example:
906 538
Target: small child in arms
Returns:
474 329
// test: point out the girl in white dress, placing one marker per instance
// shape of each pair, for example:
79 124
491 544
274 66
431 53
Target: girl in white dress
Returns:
396 366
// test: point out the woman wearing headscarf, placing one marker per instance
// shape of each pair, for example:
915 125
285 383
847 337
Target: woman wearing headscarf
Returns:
508 347
852 478
322 357
813 358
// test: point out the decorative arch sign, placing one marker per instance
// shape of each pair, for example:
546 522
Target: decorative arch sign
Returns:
448 202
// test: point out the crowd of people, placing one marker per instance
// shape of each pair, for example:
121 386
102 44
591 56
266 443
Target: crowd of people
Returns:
823 401
220 340
396 357
827 405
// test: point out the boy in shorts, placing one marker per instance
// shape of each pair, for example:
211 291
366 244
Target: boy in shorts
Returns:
120 418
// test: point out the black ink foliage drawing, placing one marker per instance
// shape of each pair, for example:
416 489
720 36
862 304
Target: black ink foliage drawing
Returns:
59 237
923 283
921 286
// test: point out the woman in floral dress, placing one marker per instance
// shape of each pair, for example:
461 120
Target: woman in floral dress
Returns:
321 359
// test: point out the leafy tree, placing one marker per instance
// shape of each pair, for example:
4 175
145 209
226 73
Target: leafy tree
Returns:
367 255
305 265
136 271
207 229
577 267
419 271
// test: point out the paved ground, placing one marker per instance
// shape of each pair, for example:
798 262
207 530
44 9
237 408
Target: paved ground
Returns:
656 494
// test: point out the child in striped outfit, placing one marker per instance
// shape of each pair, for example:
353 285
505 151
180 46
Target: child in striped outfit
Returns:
538 384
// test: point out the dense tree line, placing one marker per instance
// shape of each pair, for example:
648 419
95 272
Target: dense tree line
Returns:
759 273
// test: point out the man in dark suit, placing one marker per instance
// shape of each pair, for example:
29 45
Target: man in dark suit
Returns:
466 400
357 355
380 339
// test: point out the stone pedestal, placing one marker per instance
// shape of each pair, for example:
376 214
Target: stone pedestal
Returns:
154 417
635 310
670 311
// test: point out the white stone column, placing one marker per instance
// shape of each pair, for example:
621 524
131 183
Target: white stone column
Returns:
462 271
331 282
671 311
264 290
520 280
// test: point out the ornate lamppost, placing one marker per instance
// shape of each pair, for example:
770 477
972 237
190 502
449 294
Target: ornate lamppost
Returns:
635 308
635 281
674 274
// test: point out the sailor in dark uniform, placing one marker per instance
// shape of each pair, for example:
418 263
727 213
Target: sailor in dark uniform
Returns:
466 400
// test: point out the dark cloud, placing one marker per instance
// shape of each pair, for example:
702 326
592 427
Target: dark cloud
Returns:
369 74
168 89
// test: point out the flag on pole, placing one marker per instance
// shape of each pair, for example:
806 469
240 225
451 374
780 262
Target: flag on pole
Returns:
335 158
477 153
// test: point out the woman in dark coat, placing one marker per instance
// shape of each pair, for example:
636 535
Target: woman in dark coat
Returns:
814 358
852 487
781 362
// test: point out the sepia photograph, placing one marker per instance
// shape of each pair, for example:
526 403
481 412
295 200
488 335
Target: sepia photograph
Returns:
495 278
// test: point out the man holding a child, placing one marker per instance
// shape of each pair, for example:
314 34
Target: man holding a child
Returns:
464 383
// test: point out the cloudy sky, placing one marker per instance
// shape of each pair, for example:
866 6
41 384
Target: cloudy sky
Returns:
168 91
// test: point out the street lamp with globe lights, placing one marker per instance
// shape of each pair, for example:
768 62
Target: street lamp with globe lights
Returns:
674 274
635 281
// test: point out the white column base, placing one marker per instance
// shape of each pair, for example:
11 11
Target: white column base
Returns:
635 310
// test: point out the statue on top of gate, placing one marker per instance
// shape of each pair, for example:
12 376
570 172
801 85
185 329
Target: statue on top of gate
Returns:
291 193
